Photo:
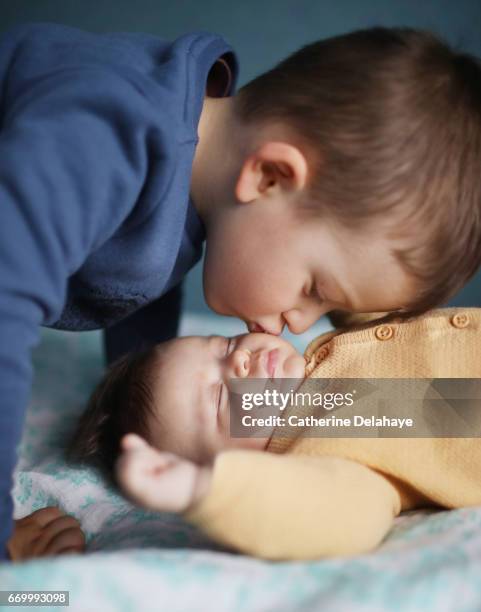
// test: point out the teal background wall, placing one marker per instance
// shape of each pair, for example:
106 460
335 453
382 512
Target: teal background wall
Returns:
263 32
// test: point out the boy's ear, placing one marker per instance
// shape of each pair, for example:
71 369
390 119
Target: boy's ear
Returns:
274 165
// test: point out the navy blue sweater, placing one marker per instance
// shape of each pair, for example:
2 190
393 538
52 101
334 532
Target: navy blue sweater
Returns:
97 138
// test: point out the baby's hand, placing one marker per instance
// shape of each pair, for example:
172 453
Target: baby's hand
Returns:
157 480
45 532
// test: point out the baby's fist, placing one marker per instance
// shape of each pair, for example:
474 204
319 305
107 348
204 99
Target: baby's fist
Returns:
157 480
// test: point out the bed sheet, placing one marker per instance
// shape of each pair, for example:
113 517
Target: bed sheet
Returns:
138 560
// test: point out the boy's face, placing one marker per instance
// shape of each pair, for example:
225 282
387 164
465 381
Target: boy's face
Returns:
266 263
270 267
190 390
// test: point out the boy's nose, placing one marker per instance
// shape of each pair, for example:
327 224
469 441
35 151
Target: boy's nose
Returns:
298 321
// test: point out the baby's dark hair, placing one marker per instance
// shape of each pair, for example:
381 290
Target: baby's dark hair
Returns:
390 120
121 403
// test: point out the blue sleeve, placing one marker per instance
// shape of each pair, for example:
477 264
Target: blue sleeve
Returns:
157 322
73 160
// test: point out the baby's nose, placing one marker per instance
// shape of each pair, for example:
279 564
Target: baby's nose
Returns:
239 362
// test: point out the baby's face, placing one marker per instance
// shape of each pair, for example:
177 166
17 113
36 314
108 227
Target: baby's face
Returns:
190 391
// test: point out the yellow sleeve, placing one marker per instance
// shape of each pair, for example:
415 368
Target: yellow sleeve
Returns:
295 506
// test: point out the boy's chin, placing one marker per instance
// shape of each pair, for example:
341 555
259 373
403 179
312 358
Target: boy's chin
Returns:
219 308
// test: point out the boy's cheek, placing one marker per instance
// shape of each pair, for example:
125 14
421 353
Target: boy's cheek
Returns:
245 288
223 299
220 287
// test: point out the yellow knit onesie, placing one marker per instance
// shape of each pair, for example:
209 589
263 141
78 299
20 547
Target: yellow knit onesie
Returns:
310 497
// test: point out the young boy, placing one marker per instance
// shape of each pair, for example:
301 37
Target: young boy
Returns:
306 496
347 177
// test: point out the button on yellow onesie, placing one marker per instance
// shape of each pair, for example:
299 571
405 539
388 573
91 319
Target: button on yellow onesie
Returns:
309 497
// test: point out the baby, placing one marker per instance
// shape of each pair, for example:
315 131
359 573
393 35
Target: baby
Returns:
282 497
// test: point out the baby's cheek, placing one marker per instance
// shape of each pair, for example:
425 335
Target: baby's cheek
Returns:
295 366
